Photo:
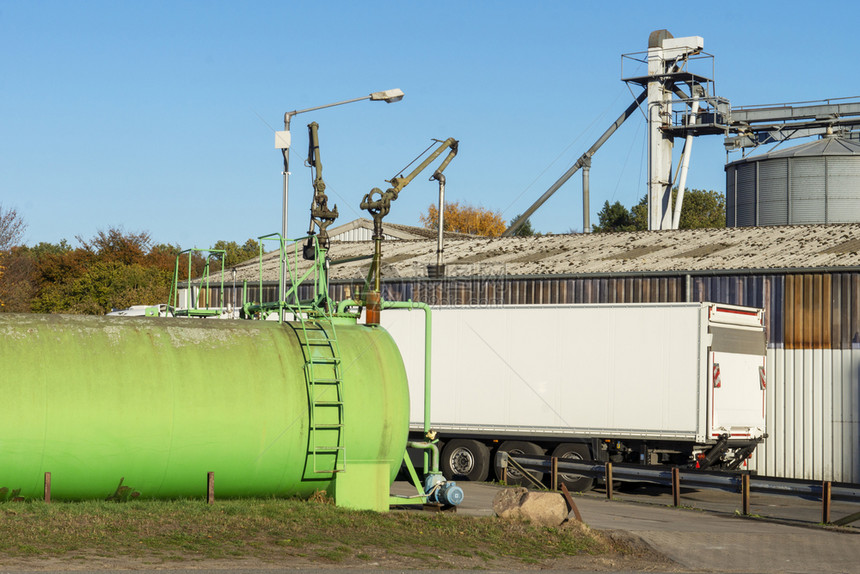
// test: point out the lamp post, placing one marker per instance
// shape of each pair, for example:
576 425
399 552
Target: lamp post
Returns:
282 142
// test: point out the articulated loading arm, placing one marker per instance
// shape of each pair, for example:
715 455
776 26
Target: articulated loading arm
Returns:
321 215
378 204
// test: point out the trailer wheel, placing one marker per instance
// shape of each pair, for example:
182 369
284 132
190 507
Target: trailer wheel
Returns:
464 459
574 451
513 448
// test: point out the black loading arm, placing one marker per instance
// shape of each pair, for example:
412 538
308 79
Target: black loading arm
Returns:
321 215
378 204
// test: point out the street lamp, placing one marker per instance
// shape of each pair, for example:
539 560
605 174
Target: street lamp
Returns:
282 139
282 142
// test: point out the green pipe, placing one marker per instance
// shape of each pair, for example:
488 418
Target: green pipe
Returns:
434 454
428 332
343 305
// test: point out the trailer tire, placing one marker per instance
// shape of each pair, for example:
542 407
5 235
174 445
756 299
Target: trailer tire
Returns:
574 451
515 447
465 459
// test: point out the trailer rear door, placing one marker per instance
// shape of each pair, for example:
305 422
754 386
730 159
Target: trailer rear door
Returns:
736 361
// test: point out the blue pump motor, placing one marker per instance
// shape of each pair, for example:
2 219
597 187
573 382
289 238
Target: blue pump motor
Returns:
441 491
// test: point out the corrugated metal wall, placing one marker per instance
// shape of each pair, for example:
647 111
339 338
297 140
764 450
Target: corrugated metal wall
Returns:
813 332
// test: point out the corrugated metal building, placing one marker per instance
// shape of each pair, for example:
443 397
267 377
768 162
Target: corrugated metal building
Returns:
807 278
361 229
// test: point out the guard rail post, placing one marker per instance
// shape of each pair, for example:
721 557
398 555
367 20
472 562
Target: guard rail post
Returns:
676 487
825 502
609 481
745 489
47 487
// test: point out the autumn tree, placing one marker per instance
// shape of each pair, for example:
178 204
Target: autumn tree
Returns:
117 245
114 269
465 218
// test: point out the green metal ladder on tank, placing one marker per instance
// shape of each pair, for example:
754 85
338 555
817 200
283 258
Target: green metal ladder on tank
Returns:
327 428
322 368
325 395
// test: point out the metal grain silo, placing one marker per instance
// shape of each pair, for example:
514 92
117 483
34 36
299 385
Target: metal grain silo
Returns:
817 182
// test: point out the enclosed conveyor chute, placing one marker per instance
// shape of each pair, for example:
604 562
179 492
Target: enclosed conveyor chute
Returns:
583 161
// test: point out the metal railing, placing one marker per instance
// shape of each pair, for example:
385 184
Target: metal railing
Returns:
825 491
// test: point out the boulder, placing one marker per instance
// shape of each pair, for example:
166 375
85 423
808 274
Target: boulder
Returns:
506 503
544 508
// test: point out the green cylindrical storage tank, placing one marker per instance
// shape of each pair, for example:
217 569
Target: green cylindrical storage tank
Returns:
161 402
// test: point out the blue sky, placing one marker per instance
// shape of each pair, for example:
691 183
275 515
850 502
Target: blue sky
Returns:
159 116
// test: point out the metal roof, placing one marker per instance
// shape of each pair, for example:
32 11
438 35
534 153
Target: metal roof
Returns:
827 146
694 251
392 230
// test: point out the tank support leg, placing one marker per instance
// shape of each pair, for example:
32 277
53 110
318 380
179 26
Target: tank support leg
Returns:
420 497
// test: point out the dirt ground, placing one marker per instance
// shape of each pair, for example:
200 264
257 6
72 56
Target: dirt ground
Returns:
624 552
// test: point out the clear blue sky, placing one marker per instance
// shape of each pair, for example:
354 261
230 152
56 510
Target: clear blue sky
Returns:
159 116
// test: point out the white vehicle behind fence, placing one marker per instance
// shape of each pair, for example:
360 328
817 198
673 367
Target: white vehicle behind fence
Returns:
665 383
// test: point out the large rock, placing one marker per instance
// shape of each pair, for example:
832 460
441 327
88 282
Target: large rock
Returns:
506 503
544 508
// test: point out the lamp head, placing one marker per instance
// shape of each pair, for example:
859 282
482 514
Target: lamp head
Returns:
387 96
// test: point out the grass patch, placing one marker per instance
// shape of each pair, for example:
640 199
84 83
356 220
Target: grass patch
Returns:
271 529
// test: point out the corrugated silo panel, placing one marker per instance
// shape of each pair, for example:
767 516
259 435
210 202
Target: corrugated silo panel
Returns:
806 193
773 192
843 189
731 174
745 192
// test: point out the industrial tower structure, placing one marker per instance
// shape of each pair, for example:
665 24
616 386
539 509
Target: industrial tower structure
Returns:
681 103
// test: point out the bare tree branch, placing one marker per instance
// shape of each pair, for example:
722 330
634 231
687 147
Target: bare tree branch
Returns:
12 228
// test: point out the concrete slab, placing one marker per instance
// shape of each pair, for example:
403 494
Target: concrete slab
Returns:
708 542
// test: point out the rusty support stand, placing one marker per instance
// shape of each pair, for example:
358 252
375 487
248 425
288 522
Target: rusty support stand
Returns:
825 502
505 475
745 490
210 487
47 487
571 505
554 474
609 481
676 487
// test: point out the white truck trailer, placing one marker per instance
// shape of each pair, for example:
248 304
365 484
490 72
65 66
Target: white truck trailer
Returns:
674 383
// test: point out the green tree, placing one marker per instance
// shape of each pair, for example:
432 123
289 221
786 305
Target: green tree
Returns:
104 286
614 217
238 253
526 230
701 209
